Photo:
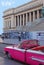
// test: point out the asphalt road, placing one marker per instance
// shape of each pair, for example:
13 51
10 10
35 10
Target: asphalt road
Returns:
6 61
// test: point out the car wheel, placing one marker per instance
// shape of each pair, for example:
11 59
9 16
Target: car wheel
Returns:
40 64
9 56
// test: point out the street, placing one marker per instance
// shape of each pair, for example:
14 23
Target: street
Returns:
6 61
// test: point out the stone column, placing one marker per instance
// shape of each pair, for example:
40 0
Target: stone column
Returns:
20 20
26 18
7 24
4 26
37 14
15 21
23 19
43 2
33 16
30 16
12 21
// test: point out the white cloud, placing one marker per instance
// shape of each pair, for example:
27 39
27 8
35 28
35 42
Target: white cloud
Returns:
7 3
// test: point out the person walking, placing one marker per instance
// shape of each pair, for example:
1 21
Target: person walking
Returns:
19 38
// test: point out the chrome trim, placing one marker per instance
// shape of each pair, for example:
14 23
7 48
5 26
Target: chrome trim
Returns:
15 48
37 59
22 50
35 52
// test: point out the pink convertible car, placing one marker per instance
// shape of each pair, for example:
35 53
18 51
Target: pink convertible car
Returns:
28 52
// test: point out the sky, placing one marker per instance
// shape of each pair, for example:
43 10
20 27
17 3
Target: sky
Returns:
6 4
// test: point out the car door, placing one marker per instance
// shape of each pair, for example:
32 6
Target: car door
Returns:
19 54
34 57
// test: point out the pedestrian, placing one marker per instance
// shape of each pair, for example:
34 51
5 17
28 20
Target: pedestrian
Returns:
19 38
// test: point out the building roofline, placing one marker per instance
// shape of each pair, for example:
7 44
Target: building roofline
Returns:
17 12
19 6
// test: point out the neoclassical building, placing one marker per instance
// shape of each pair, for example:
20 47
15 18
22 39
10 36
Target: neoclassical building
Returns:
25 18
18 17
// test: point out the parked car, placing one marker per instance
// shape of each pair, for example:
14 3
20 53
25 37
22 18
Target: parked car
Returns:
26 52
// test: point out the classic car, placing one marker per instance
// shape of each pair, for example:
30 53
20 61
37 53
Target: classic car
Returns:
28 51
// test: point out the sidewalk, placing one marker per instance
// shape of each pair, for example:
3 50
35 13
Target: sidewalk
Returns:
1 41
12 41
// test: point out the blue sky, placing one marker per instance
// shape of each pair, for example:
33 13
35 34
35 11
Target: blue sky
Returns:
6 4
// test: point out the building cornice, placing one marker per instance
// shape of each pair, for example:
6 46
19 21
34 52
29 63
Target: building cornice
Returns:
22 8
18 6
21 11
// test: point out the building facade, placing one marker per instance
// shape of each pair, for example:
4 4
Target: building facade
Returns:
20 16
25 21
